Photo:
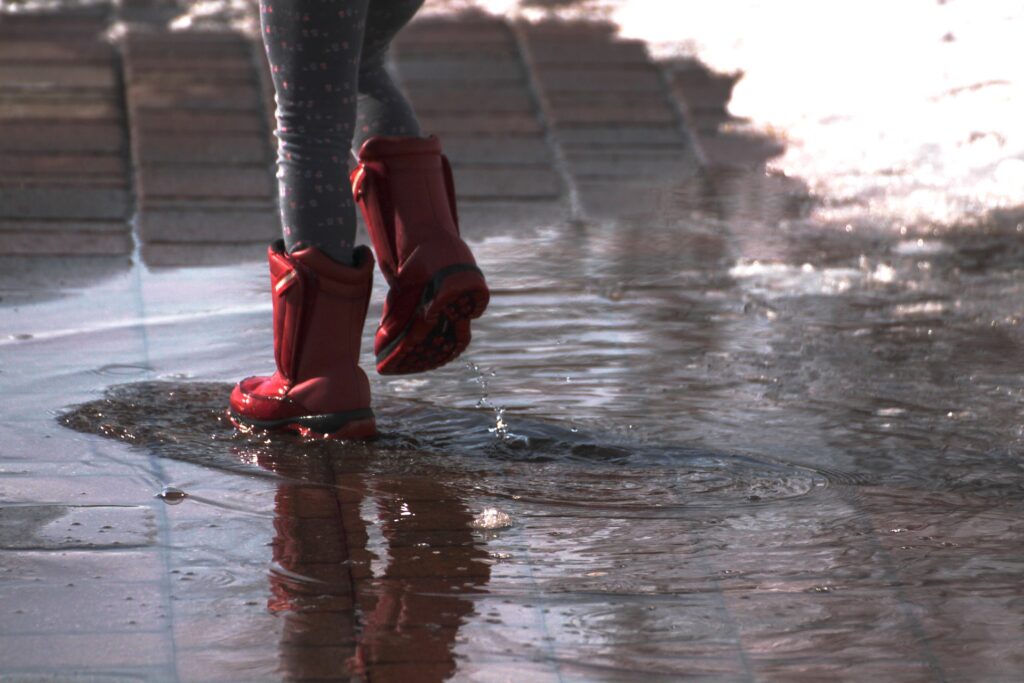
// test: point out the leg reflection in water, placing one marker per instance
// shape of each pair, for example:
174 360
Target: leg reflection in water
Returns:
376 599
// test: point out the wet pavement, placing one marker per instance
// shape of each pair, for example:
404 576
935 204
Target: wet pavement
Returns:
706 430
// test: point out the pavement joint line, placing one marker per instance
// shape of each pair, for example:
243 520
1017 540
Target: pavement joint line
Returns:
888 566
163 536
684 120
142 322
542 111
110 632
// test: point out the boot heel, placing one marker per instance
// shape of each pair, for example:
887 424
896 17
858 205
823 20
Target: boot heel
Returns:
457 293
351 424
357 430
439 332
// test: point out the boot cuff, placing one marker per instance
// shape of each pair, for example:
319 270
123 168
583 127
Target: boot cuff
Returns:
359 274
383 147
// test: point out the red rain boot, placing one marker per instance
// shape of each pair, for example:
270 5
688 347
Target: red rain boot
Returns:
405 189
319 388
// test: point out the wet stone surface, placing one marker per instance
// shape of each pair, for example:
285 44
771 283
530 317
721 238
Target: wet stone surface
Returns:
53 527
717 426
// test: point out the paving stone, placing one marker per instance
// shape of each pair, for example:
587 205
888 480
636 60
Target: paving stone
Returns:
700 87
171 77
206 181
39 109
414 646
319 628
57 76
477 182
209 226
508 98
640 201
67 138
600 98
26 280
618 155
207 148
39 52
403 49
460 31
441 70
622 113
42 27
599 79
487 124
230 665
593 50
233 65
480 218
18 166
146 120
178 255
202 626
621 135
419 606
42 182
499 151
740 150
138 567
172 203
435 671
50 527
98 606
569 32
68 243
64 202
62 225
101 652
684 166
196 95
194 44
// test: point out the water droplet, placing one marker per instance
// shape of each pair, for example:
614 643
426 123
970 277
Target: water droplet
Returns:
492 518
172 495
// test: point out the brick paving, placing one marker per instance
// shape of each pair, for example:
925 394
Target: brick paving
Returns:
65 182
199 145
174 129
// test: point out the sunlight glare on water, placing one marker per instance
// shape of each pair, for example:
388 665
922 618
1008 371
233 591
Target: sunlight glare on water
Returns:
905 112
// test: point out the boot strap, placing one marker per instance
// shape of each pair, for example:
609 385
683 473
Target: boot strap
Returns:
373 198
449 182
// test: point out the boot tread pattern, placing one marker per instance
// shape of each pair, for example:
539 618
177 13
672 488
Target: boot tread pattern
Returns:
440 331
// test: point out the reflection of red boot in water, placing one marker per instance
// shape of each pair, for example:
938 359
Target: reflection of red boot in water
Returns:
405 189
319 388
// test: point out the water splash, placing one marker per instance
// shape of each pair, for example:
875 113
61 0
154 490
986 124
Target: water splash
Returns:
492 519
172 495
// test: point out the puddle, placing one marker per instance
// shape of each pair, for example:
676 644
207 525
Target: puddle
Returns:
557 466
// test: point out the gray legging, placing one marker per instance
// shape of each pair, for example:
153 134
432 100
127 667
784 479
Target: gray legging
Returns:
327 60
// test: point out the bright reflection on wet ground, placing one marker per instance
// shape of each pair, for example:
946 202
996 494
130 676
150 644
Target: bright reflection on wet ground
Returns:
904 113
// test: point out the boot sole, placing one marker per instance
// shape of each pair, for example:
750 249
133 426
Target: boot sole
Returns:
350 425
439 330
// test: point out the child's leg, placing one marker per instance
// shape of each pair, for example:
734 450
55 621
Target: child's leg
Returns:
314 47
383 109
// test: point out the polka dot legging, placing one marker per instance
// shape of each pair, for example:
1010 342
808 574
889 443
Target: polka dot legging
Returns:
327 59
